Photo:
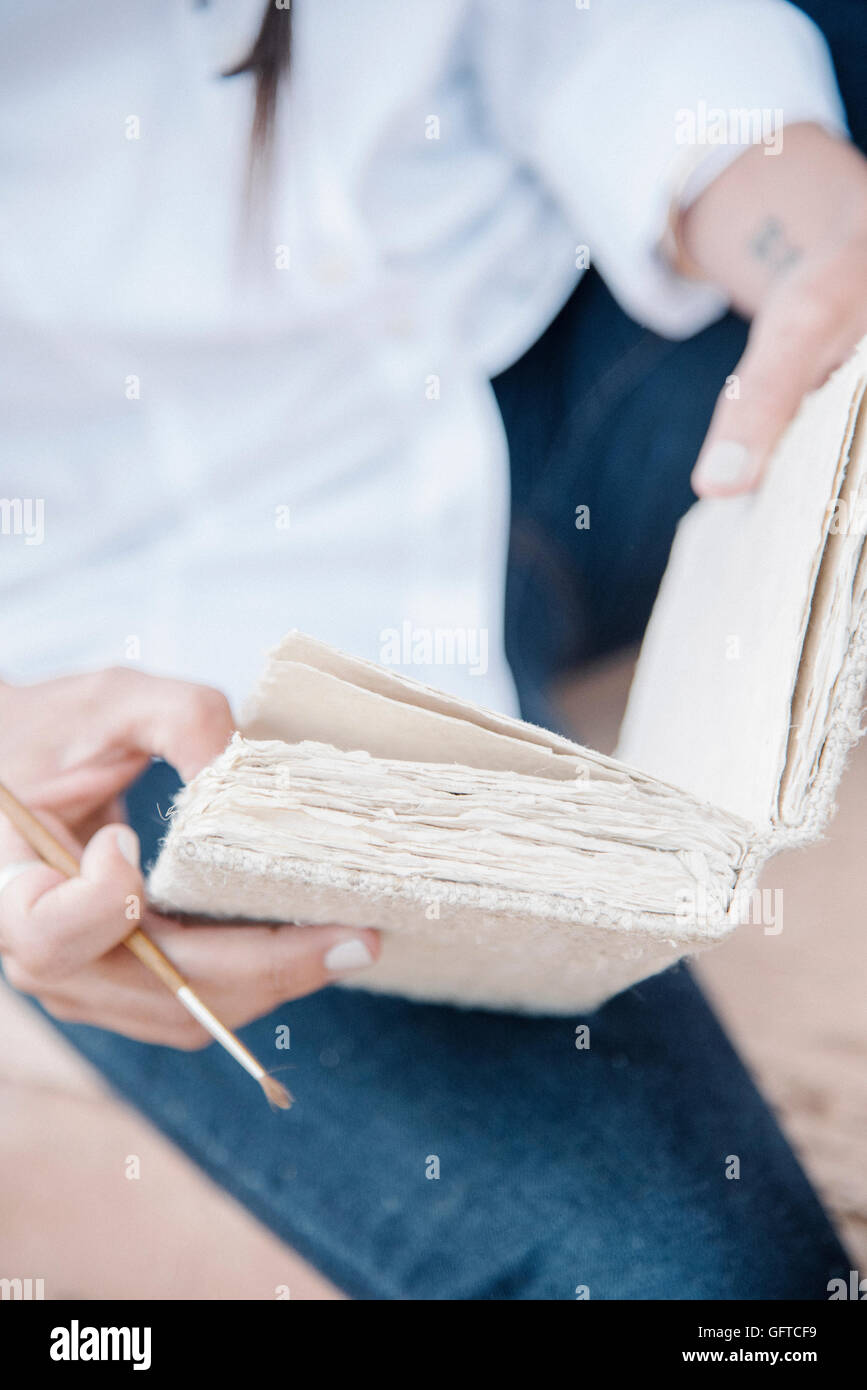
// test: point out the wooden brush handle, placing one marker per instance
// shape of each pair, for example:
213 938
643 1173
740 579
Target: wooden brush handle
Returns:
37 835
150 955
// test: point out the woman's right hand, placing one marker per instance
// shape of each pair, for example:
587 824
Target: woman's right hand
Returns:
68 748
72 745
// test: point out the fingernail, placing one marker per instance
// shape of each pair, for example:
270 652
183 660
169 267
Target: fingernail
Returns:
726 464
128 843
348 955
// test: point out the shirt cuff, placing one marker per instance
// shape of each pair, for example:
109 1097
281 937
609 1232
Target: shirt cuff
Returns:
670 98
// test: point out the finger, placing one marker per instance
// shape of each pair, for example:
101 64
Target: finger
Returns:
14 846
116 992
116 984
262 966
790 354
241 973
53 926
11 871
113 811
88 775
151 1018
17 859
185 723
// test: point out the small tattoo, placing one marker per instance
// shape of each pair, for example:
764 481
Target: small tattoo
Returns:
771 245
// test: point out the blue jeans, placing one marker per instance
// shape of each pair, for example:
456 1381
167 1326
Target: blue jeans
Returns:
559 1168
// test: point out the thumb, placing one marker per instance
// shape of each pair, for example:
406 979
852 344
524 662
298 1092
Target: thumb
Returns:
759 400
110 882
110 854
68 924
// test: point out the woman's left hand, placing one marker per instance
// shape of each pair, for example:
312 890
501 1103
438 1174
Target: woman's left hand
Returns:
786 237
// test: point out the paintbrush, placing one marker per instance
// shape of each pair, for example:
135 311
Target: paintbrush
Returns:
40 838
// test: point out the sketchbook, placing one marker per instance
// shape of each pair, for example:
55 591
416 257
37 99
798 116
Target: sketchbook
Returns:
510 868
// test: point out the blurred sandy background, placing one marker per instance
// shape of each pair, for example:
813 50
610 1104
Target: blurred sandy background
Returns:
796 1005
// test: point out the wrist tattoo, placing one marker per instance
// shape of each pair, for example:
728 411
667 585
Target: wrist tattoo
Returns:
771 246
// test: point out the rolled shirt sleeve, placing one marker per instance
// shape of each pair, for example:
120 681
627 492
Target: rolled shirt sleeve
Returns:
623 106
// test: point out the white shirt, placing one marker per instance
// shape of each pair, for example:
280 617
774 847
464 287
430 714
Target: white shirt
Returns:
226 445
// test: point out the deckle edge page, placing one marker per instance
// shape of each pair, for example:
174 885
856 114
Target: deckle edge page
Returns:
297 647
482 946
295 702
488 945
280 706
710 704
843 731
814 765
188 874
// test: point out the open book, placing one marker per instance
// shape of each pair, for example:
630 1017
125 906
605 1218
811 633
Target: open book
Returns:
511 868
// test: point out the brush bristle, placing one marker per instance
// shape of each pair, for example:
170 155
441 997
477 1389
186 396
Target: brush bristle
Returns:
276 1092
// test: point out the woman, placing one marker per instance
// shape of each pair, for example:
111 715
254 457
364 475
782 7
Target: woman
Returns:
247 388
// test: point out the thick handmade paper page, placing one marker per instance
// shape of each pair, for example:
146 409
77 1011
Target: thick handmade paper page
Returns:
296 647
826 709
310 691
711 702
